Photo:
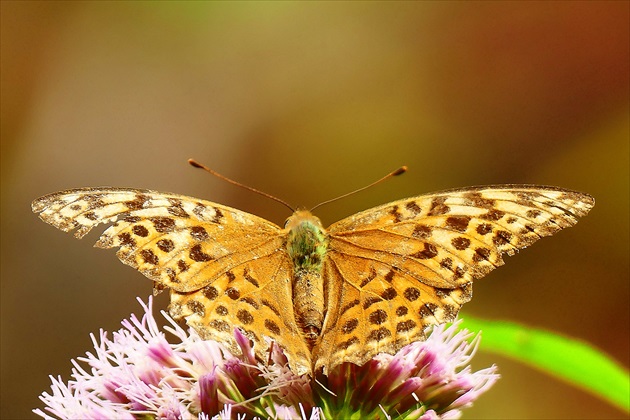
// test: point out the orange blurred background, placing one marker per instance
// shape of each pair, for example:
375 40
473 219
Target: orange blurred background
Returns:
306 101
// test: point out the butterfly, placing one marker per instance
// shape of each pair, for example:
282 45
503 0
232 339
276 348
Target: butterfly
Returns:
368 284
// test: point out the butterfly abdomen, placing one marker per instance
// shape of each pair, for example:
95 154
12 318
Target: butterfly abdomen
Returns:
306 245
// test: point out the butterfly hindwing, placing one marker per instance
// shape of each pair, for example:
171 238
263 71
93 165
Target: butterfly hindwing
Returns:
255 296
377 308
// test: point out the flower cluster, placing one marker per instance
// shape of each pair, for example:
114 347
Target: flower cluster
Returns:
139 374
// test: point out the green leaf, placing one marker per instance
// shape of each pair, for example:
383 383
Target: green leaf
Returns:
566 358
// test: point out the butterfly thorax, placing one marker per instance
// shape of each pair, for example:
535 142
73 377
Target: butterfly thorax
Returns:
306 245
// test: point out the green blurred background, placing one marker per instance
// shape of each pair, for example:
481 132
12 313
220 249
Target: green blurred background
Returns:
307 101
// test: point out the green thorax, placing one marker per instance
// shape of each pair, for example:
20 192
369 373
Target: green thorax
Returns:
306 241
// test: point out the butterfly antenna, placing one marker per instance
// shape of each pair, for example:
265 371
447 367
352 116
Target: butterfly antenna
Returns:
196 164
397 172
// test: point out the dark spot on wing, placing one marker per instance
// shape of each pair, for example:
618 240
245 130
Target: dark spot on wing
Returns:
379 334
199 210
389 293
219 325
477 200
197 308
176 209
493 215
413 207
196 254
411 294
402 311
460 243
137 203
377 317
140 230
438 207
502 238
245 317
232 293
369 278
428 252
199 233
484 229
218 215
389 277
272 326
149 257
172 275
428 309
458 223
450 312
370 301
422 231
90 215
271 306
446 263
442 293
405 326
163 224
349 326
481 254
249 278
126 240
346 344
396 213
348 306
182 265
165 245
251 302
532 214
210 292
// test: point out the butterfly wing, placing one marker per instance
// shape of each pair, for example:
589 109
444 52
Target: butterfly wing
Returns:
396 269
260 305
225 267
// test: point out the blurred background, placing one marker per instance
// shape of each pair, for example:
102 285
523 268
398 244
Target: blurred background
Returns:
306 101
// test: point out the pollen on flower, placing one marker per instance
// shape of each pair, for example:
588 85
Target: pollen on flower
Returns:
139 373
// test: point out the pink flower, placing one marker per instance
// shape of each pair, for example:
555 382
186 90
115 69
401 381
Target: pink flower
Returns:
138 373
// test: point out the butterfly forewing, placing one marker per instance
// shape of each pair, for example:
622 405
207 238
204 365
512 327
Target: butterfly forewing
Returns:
401 267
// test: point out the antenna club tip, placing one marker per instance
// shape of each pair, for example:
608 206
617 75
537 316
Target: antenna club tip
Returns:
194 163
399 171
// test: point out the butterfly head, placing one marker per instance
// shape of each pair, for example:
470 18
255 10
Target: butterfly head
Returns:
300 217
